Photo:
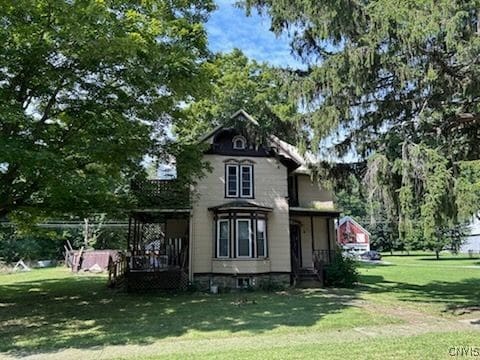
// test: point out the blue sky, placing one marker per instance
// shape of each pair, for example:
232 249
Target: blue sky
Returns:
229 28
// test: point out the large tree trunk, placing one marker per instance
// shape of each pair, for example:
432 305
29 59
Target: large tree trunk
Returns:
437 254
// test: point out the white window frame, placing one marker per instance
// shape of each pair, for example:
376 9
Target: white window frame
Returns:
219 221
249 256
239 138
250 195
264 237
227 181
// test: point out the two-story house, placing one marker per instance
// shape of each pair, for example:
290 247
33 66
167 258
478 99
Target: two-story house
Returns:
256 217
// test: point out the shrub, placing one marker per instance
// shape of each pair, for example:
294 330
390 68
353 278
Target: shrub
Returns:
341 272
270 285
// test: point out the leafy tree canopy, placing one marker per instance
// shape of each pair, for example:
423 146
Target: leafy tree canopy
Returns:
83 86
241 83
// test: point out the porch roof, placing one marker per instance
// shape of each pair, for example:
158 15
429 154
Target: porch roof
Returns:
294 210
156 215
240 205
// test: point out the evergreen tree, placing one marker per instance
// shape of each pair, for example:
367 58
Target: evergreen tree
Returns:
398 80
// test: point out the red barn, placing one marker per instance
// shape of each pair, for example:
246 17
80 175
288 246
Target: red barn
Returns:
352 236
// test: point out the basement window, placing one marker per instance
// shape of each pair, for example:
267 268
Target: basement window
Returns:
243 283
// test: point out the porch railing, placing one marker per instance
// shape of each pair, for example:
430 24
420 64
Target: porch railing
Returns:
323 257
167 254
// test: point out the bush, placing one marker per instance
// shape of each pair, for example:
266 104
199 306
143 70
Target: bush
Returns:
270 285
39 245
342 272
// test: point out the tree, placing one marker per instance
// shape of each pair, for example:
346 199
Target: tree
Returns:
86 88
241 83
394 78
350 199
386 70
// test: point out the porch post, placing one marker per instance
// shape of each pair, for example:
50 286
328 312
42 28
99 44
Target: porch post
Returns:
129 232
313 238
190 247
328 238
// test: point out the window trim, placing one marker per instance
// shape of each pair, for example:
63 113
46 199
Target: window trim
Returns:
227 181
219 221
241 167
265 255
239 181
249 256
239 138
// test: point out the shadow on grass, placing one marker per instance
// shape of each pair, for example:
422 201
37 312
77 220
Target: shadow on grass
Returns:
80 312
453 258
465 292
385 254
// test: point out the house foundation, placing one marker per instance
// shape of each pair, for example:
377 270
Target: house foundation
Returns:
239 281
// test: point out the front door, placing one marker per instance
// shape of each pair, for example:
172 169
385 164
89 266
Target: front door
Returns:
295 247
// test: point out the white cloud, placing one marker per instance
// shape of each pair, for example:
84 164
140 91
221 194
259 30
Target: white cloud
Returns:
229 28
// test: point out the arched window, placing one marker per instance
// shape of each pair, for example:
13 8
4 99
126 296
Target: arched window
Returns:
239 142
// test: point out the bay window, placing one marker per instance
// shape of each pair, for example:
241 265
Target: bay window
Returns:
241 235
244 238
261 238
223 238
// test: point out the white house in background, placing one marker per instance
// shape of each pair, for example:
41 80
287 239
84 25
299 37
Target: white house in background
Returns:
472 242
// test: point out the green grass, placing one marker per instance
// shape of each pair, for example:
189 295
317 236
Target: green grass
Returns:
429 346
50 310
423 282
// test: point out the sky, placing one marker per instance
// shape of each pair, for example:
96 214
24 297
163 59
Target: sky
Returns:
229 27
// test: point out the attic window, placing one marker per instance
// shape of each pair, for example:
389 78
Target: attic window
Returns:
239 142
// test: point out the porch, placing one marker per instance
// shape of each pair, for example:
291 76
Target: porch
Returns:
158 237
313 244
158 249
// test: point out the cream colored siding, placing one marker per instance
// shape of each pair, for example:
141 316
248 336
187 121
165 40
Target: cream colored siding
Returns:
311 195
235 266
270 189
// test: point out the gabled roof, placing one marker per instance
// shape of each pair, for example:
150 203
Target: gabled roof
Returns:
292 152
344 219
238 114
282 147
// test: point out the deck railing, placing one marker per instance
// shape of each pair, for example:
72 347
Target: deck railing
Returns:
167 254
116 270
171 194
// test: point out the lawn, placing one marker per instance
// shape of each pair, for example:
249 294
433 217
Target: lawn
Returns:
51 313
419 280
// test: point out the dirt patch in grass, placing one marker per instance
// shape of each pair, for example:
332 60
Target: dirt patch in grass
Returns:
464 310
